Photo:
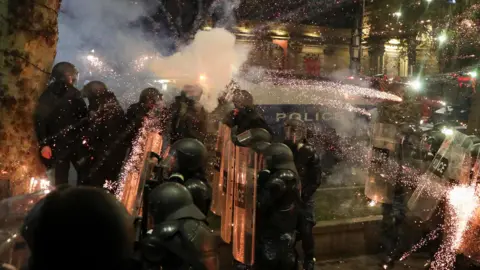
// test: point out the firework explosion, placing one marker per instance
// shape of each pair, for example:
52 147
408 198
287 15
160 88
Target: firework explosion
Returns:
461 203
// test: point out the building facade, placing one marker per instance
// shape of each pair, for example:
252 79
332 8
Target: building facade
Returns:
319 50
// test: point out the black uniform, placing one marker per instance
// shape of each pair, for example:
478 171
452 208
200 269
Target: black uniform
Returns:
180 238
188 119
245 116
150 104
278 211
307 163
105 135
185 164
60 118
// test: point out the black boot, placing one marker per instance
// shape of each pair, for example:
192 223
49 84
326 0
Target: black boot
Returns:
309 264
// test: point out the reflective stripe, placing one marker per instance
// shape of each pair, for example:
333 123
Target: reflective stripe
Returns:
177 175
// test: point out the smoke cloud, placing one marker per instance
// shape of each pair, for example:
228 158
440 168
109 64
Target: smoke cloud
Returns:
106 40
106 25
210 61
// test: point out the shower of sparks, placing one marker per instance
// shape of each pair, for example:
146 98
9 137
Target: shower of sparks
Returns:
111 185
134 160
140 63
95 65
461 203
38 185
430 237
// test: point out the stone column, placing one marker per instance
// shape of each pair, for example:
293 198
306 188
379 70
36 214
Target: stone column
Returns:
376 53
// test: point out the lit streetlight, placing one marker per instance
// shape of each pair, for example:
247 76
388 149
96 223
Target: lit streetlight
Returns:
397 14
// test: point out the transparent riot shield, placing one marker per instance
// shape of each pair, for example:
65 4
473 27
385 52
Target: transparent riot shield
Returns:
218 196
379 186
447 167
245 200
13 211
139 168
228 167
470 245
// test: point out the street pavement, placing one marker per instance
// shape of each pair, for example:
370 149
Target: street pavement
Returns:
370 262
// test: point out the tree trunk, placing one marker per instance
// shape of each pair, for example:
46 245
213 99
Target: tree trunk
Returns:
28 38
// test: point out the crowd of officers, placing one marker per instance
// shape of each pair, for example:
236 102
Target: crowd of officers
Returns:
85 227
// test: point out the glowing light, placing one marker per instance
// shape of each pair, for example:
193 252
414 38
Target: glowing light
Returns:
473 74
279 32
394 41
429 1
162 81
372 203
416 85
39 184
447 131
202 77
442 38
443 103
397 14
91 58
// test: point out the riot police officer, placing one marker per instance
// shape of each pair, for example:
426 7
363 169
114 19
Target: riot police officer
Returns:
188 116
186 164
404 175
422 153
150 102
60 118
278 214
245 116
180 238
307 163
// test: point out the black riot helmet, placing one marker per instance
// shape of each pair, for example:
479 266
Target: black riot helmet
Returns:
185 156
278 156
242 99
150 97
61 222
256 138
172 201
64 72
94 89
295 131
431 142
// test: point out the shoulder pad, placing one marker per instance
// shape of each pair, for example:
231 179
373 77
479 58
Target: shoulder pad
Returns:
166 230
308 148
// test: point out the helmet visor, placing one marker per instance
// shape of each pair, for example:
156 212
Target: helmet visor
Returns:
294 134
